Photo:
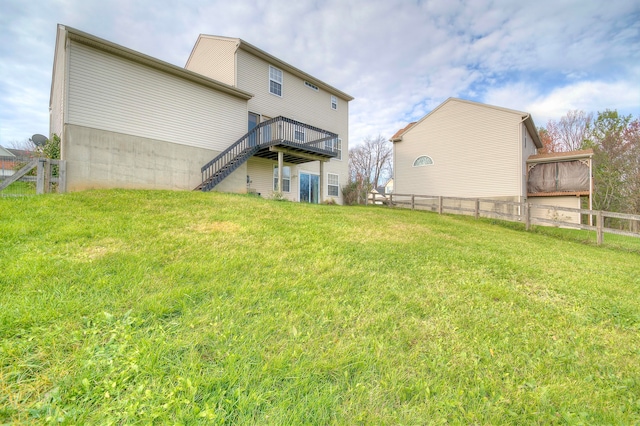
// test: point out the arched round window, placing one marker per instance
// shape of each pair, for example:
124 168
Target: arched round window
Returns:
423 160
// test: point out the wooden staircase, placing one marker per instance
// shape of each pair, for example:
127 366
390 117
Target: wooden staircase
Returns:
301 141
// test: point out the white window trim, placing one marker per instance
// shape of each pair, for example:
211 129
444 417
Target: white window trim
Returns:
334 103
275 178
423 165
336 185
281 82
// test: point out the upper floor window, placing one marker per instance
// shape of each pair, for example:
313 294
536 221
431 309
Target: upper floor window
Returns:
423 160
311 86
275 81
334 145
334 102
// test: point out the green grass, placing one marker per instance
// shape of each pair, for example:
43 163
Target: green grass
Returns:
19 188
123 307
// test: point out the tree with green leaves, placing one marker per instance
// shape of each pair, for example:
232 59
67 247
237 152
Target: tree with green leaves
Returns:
615 142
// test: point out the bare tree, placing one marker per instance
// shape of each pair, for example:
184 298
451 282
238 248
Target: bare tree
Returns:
570 132
24 145
370 161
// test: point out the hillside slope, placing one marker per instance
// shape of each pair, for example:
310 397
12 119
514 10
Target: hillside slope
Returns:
169 307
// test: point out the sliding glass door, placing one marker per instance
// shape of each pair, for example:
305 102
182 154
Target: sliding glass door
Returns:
309 188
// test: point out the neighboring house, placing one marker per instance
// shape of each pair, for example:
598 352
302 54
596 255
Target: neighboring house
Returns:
13 159
388 187
465 149
377 196
132 121
560 179
7 163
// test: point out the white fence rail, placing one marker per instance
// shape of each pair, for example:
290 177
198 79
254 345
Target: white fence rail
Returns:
527 213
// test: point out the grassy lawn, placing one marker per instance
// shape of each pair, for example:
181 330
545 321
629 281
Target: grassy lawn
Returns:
124 307
19 188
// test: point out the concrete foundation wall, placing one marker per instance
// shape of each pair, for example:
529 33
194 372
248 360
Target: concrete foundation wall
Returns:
102 159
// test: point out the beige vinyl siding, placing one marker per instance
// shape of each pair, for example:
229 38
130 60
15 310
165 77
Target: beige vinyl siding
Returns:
58 86
297 102
215 58
260 173
475 150
112 93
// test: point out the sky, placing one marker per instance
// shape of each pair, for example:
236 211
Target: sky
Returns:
399 59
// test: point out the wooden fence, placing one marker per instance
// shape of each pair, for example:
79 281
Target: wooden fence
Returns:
525 212
50 176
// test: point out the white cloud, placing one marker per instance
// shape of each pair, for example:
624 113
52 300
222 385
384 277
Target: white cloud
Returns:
588 96
399 59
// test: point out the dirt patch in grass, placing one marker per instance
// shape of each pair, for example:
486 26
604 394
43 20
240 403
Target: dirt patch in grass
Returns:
211 227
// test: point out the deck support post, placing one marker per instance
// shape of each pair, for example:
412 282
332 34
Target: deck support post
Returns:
280 168
321 183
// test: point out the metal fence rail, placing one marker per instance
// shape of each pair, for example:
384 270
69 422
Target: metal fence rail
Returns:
520 212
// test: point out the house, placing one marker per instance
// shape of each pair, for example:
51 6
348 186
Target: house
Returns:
465 149
13 159
377 196
388 187
235 119
7 162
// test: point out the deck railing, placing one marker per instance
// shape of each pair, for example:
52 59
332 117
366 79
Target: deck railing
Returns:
279 130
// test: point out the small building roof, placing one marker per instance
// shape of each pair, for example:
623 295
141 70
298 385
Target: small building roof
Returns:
396 136
561 156
5 152
21 152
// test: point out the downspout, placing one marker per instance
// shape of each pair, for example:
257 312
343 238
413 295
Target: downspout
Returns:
520 152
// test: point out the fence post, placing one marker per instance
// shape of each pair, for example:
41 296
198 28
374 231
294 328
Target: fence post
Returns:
40 176
47 175
439 204
62 176
599 228
477 212
391 200
413 201
527 216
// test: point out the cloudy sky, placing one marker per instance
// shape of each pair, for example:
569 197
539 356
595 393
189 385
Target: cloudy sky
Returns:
398 58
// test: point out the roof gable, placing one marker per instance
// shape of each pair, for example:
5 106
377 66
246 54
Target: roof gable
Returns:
526 117
116 49
247 47
5 152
